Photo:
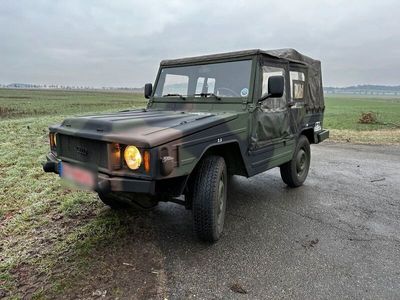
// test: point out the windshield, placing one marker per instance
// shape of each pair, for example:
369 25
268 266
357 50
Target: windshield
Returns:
229 79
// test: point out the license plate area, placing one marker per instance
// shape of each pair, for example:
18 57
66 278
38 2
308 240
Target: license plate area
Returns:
82 177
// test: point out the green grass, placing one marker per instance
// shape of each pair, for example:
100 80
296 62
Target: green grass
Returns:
42 221
45 225
343 112
27 103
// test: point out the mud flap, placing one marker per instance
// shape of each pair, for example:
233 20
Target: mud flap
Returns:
323 135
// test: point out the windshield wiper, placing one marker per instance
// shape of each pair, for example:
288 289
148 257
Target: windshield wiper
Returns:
175 95
207 95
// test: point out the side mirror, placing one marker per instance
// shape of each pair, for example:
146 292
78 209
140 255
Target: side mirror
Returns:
148 89
276 87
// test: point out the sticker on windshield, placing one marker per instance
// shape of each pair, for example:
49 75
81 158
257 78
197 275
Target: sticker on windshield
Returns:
244 92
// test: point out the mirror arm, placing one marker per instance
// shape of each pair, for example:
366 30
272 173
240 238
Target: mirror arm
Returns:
264 98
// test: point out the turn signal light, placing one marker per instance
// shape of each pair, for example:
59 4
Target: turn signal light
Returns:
146 159
53 141
116 156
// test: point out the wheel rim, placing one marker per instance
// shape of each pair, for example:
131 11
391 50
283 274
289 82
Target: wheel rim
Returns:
301 162
221 204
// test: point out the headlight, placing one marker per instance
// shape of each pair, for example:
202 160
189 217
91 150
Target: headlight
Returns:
133 158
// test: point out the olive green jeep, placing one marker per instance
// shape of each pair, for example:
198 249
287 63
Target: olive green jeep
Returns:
208 118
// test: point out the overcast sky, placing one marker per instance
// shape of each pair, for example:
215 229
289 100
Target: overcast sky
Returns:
120 43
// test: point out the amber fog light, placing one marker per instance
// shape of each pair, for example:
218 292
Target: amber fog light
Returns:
133 158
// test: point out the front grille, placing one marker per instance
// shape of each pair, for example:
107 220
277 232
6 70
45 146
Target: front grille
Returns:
84 150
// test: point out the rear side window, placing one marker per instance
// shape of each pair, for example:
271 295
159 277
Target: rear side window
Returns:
297 85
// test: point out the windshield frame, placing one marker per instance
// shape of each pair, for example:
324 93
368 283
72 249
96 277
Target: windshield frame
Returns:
201 99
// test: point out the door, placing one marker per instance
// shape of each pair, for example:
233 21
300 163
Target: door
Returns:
271 118
271 138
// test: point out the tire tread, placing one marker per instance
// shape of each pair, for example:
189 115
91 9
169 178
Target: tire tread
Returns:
206 186
288 170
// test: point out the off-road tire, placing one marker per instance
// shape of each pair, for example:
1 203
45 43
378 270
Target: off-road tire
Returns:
295 172
209 193
122 200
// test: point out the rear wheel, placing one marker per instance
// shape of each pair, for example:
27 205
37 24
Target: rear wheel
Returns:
208 194
121 200
295 172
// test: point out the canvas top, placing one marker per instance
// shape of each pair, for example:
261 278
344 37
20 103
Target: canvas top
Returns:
288 54
315 98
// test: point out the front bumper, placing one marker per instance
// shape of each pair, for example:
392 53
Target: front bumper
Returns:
106 183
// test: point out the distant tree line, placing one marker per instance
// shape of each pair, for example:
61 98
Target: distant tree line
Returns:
366 89
65 87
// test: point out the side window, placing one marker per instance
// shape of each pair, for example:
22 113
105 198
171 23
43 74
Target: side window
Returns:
176 84
297 85
272 103
205 85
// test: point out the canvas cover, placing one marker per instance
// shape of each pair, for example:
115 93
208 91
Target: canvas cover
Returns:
272 120
314 98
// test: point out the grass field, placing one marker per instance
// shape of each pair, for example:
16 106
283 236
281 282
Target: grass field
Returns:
45 227
343 113
49 234
28 103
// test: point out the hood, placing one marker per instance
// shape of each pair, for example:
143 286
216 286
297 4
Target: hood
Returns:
144 128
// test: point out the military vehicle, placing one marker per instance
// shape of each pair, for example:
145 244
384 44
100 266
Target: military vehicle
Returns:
208 118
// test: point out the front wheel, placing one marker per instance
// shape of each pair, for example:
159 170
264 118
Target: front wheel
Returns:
295 172
209 193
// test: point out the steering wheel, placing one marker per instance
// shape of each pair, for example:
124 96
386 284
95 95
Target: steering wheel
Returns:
231 93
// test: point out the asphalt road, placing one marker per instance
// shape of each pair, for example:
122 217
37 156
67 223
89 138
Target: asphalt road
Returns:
336 237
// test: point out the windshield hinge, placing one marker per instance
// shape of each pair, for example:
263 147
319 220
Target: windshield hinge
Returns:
250 107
